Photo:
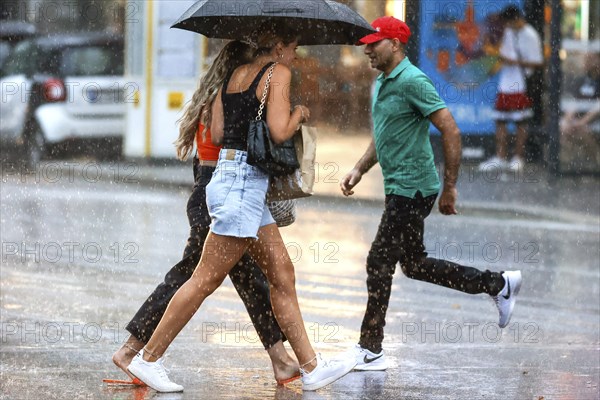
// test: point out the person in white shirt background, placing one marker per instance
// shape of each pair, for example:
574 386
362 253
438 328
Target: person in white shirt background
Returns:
520 53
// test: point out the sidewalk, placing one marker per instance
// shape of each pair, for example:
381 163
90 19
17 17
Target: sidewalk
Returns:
60 345
532 193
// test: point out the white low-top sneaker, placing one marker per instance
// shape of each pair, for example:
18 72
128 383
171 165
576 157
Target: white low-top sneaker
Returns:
367 360
326 372
505 300
153 374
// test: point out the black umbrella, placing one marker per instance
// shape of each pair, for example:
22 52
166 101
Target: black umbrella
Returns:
317 21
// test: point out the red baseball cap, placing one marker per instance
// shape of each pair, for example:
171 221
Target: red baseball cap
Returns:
387 28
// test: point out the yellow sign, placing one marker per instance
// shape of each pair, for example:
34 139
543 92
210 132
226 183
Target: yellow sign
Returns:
175 100
136 98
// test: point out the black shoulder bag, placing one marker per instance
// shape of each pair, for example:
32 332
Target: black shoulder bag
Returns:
273 159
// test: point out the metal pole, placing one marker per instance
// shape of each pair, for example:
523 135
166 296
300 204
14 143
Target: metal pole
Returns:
538 138
554 90
150 24
413 19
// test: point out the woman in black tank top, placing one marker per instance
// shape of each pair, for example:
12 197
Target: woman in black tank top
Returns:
238 108
246 276
236 198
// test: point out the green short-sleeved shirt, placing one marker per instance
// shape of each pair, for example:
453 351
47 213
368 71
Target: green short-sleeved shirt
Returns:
401 105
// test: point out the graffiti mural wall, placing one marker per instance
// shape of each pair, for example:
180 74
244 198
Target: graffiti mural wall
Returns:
458 49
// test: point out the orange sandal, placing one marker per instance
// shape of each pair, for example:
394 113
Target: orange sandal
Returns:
134 382
282 382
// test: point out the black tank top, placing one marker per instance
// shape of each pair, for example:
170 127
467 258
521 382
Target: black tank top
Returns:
238 110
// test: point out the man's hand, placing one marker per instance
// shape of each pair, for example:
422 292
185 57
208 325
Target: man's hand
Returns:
349 181
447 201
362 166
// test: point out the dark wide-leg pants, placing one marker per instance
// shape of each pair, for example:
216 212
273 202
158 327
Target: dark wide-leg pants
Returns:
400 239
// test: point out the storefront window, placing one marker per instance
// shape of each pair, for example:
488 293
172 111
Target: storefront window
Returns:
578 22
580 100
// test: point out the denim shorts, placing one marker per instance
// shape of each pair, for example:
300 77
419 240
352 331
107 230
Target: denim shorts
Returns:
236 196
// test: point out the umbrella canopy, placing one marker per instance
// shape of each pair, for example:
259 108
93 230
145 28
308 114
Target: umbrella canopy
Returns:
317 21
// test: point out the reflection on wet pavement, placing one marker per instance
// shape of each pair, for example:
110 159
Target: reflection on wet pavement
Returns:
78 260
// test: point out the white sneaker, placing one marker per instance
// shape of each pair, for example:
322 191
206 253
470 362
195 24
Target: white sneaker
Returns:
505 300
516 164
153 374
326 372
367 360
493 164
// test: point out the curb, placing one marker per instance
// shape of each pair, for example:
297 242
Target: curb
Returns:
515 210
172 180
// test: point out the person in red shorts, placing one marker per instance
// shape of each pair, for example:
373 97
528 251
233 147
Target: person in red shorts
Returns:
520 53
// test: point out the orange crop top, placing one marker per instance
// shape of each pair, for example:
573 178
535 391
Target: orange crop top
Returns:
206 150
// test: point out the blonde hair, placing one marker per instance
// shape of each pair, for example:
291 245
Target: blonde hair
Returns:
198 109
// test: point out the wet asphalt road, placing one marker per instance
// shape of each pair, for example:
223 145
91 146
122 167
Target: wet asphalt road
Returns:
79 257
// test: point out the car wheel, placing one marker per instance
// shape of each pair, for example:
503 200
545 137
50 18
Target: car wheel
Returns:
35 146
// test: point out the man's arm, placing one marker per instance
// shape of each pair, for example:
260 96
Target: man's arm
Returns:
444 122
591 115
363 165
521 63
532 64
534 52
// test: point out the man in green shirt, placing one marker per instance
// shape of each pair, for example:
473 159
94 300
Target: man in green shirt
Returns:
405 103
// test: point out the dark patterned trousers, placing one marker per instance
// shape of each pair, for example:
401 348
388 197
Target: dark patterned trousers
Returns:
400 239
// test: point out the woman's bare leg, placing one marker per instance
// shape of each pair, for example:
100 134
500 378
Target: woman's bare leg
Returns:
218 257
122 357
501 140
521 139
284 366
272 257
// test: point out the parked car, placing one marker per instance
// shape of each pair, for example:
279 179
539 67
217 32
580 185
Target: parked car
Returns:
11 33
59 88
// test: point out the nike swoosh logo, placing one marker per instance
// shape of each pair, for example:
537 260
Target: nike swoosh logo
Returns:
368 360
507 296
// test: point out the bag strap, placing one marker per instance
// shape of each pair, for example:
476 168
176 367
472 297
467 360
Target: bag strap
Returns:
265 92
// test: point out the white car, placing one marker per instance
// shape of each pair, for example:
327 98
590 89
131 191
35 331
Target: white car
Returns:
11 33
63 87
